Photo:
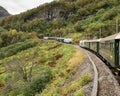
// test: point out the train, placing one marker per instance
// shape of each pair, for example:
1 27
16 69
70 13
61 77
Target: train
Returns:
64 40
108 49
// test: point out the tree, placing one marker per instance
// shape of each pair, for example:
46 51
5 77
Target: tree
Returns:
1 41
21 67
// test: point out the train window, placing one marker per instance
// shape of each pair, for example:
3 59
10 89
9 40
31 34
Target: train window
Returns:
94 46
107 51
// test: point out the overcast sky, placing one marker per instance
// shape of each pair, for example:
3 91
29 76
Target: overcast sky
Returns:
17 6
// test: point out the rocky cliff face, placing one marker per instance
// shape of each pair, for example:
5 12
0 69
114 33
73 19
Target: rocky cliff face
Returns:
3 12
56 11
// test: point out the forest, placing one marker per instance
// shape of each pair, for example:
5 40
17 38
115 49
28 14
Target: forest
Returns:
61 17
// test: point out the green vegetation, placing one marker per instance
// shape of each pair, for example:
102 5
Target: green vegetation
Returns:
12 36
17 47
79 93
2 29
73 88
63 17
30 65
60 86
38 84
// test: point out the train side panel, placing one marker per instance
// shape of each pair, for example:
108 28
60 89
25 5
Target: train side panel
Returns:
107 50
87 44
93 46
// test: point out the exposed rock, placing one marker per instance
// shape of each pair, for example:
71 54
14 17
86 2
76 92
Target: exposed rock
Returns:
3 12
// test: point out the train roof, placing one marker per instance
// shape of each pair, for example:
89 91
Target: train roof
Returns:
95 40
108 38
118 36
111 37
57 37
64 38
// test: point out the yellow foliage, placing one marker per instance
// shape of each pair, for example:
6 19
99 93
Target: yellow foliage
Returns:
63 90
33 35
74 85
14 32
76 60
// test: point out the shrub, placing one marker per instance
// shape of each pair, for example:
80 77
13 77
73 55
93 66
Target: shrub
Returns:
13 36
17 47
13 32
79 27
2 29
103 4
85 79
1 41
79 93
38 84
109 15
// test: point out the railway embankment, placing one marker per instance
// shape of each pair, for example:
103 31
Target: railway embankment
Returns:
107 83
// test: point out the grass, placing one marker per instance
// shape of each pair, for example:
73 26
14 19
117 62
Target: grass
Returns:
74 87
75 61
61 60
84 79
40 56
79 93
57 87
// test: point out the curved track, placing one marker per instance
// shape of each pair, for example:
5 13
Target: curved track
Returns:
95 82
107 84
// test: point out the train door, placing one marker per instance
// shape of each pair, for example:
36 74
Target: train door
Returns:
97 46
117 54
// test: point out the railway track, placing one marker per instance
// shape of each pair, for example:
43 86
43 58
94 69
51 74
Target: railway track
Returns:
95 81
104 81
94 90
107 84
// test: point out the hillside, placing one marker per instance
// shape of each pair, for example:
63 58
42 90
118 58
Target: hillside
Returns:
29 66
3 12
62 17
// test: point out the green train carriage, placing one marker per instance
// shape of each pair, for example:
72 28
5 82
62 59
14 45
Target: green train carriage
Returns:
108 48
94 45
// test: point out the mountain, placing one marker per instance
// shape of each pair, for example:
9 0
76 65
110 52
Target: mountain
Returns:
61 17
3 12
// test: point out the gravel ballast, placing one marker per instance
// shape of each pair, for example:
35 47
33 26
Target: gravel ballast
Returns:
107 84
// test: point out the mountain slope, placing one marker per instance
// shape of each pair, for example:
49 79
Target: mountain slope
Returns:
28 65
3 12
61 17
